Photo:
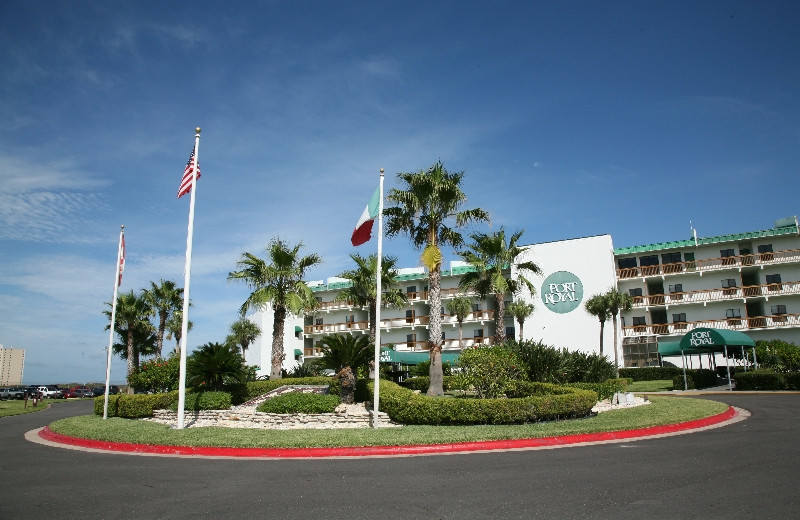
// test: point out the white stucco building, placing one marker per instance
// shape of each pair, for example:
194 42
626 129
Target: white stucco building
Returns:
747 281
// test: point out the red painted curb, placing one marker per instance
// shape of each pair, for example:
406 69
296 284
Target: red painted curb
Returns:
362 451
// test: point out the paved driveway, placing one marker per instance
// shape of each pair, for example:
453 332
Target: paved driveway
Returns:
745 470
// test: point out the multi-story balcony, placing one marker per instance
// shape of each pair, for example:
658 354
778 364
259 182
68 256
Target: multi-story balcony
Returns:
711 264
722 294
416 296
396 323
740 324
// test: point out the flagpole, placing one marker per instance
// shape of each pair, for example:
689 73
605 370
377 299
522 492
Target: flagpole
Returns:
187 273
120 255
376 370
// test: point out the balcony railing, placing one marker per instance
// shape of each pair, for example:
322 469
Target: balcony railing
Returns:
725 293
416 296
711 264
756 322
395 323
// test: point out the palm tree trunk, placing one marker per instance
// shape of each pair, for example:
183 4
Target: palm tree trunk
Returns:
129 345
616 360
162 325
500 319
277 342
460 334
347 382
436 374
602 326
521 325
373 311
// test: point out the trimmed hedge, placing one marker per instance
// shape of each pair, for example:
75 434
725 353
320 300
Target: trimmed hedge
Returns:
257 388
604 390
760 380
792 380
422 383
211 400
298 402
135 406
650 373
404 406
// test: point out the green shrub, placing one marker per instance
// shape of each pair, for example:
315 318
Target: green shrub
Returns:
422 383
406 407
702 377
792 380
678 382
257 388
298 402
541 362
157 375
604 390
651 373
135 406
212 400
759 380
490 372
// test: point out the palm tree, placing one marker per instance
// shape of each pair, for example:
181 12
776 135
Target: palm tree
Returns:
345 354
617 302
280 283
460 307
164 299
520 310
597 306
133 313
363 287
428 211
243 333
493 257
215 364
174 328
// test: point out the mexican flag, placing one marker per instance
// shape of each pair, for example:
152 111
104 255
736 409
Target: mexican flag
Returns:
363 231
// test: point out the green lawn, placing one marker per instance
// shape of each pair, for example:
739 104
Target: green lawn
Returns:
15 407
663 410
660 385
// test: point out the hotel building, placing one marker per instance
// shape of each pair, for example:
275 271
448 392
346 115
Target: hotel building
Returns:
747 281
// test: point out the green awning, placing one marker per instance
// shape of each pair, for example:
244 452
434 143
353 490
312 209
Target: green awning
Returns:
412 358
298 352
297 329
714 340
669 348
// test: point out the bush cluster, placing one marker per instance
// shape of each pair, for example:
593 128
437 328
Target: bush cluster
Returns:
422 383
552 365
553 402
135 406
489 372
766 379
211 400
298 402
651 373
604 390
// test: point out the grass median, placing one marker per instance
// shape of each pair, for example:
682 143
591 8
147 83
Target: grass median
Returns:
662 411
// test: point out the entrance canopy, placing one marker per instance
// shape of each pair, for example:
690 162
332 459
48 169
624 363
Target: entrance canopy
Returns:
713 340
412 358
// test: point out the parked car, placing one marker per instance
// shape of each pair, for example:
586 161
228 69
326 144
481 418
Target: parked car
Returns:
12 393
83 393
101 390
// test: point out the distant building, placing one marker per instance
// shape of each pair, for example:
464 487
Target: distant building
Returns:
12 364
747 281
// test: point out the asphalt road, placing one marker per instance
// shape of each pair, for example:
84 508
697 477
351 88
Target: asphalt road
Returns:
745 470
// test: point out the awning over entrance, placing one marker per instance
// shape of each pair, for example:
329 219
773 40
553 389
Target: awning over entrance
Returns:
412 358
714 340
705 340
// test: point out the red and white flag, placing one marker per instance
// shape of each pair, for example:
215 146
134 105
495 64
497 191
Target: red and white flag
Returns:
186 181
121 259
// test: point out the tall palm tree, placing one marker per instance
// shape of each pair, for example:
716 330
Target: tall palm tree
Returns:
363 286
133 317
280 283
164 299
495 260
428 210
345 354
617 302
520 310
243 333
174 328
460 307
597 306
213 365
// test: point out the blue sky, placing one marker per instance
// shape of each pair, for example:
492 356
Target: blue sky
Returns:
569 118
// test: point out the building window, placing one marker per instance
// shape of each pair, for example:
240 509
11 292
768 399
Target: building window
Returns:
318 321
677 288
627 263
411 339
671 258
778 309
728 282
510 333
411 289
477 333
765 252
733 314
410 316
648 260
639 321
679 318
773 278
635 292
727 256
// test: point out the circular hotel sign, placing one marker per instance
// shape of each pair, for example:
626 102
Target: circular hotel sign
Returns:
562 292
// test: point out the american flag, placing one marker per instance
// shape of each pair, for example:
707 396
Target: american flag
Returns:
186 181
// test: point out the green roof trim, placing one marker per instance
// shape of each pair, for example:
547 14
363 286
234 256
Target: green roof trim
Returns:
411 358
660 246
456 271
